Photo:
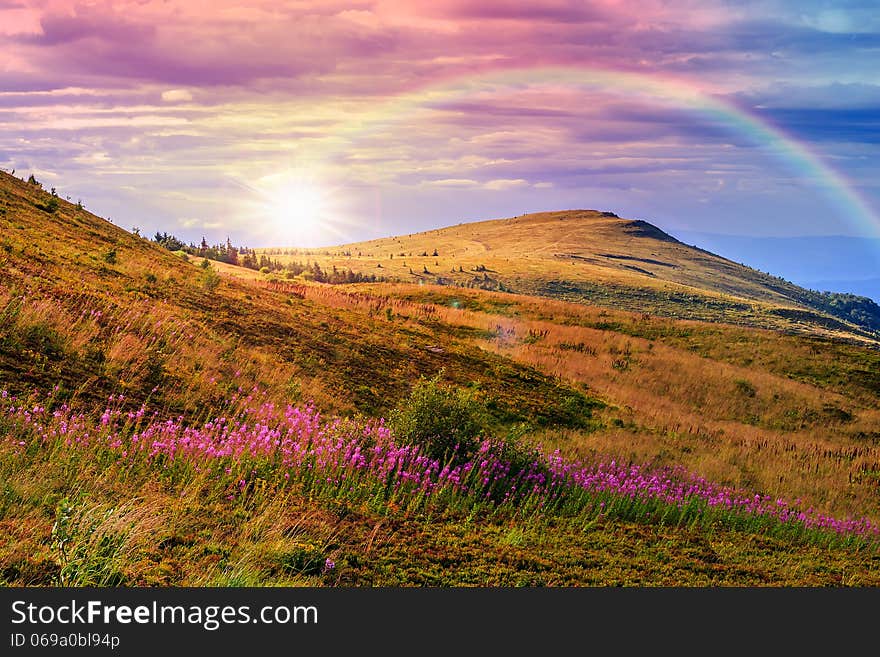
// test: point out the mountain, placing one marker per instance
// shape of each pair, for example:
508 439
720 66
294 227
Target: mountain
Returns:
167 420
864 287
597 257
828 262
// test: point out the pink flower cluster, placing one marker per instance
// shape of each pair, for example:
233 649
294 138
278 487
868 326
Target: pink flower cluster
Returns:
299 444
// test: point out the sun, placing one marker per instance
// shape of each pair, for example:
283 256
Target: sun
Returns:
294 208
298 209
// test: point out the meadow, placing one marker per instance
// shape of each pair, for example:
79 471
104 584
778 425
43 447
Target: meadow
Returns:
166 423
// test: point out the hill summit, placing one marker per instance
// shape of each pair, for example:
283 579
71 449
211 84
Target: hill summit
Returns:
593 256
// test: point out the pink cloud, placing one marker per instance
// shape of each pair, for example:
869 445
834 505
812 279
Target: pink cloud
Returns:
183 94
553 11
351 46
90 23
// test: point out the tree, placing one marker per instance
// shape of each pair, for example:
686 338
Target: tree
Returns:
210 279
170 242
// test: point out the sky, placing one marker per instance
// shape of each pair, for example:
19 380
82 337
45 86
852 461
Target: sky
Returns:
315 123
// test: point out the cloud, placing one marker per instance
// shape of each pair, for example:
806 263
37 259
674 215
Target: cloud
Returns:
90 23
502 184
861 125
176 95
554 11
190 222
452 182
489 110
836 95
378 47
172 43
189 102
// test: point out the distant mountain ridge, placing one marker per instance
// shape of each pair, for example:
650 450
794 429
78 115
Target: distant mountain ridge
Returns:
865 287
832 263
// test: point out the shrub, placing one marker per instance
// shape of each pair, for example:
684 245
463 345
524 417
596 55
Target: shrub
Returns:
745 388
50 206
302 560
445 422
44 339
517 453
210 279
110 256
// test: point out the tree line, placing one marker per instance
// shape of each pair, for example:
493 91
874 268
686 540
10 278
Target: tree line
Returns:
243 256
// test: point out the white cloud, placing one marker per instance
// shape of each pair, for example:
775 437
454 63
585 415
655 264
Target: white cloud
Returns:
199 223
502 184
176 95
452 182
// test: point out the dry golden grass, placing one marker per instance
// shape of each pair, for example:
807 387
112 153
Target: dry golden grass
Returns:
778 414
582 255
742 425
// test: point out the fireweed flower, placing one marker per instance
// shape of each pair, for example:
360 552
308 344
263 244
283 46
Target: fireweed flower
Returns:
298 444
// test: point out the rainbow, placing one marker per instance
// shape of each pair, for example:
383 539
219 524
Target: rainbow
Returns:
796 156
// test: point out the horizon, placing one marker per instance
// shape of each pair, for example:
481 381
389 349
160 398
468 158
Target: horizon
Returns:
322 125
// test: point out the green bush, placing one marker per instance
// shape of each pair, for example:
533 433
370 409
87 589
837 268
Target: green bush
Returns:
518 453
43 339
50 206
210 279
446 422
305 560
745 388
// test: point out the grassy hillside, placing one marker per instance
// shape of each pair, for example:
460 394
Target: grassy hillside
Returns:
597 257
98 310
165 423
